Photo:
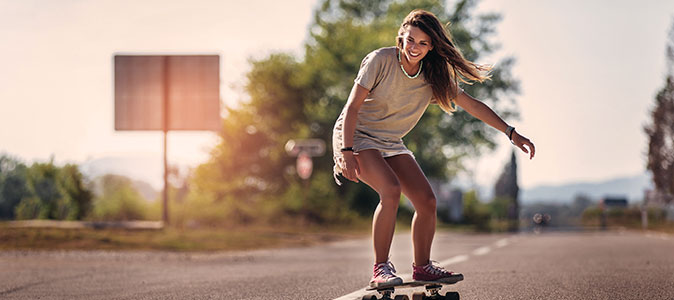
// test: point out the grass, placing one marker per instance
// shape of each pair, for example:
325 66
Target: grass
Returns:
213 239
174 239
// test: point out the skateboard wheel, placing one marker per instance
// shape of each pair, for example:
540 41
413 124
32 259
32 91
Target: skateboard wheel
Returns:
401 297
419 296
452 296
370 297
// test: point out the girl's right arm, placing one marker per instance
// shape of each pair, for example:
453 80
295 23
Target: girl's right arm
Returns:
356 98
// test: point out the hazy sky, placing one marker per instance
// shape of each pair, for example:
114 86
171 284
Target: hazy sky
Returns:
589 72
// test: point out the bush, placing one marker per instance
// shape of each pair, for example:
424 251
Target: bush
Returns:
118 200
13 185
42 191
628 217
475 212
29 208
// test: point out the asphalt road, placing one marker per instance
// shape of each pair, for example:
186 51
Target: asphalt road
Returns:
568 265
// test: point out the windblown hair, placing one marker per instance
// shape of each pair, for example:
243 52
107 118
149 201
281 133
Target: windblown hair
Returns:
444 65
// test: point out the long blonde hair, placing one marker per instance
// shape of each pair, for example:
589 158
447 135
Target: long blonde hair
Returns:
444 64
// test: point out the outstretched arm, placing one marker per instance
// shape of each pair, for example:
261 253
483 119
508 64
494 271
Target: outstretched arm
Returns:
481 111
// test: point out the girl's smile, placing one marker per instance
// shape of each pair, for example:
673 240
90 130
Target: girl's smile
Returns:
416 44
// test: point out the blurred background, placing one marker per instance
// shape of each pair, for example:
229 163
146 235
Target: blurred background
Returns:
588 82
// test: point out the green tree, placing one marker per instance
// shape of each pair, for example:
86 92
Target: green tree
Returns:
661 131
13 185
506 193
117 200
250 168
291 98
53 192
475 212
74 189
47 201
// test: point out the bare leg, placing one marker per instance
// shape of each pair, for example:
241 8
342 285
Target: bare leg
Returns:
376 173
416 187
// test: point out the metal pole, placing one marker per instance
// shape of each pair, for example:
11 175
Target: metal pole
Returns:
165 129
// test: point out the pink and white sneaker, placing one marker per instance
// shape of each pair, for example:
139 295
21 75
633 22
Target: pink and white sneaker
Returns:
433 272
384 275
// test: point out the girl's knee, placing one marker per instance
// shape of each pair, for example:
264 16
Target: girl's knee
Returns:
390 196
426 205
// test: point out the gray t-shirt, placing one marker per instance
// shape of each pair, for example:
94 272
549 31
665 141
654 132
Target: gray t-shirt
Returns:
392 108
395 102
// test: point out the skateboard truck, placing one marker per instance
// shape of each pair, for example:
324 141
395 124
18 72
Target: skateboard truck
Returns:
432 290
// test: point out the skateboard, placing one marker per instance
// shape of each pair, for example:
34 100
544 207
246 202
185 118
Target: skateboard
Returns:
432 290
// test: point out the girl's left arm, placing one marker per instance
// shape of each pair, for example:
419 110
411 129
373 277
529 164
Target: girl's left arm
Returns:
481 111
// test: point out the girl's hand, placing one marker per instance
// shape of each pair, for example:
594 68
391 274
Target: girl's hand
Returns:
350 170
520 141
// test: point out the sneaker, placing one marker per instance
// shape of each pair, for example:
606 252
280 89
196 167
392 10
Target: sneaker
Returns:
384 275
433 272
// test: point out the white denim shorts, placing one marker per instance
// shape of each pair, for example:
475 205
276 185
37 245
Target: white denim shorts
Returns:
362 141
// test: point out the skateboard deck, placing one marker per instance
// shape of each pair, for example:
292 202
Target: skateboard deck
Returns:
432 289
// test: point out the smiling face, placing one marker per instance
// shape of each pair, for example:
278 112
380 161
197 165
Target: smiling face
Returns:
416 44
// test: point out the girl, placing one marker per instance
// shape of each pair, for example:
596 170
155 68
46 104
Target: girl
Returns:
393 88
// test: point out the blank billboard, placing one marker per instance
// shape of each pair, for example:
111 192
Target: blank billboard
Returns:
190 84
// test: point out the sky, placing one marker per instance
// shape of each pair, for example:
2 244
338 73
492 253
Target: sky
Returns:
589 71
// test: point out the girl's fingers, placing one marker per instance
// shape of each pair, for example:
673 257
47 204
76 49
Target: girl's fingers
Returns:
522 142
353 178
523 148
350 174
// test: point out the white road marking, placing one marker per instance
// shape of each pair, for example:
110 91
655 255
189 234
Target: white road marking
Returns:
662 236
481 251
453 260
501 243
355 295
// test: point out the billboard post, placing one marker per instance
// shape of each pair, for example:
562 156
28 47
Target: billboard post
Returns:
165 126
167 92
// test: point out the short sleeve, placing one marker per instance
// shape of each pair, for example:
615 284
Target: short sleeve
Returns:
371 69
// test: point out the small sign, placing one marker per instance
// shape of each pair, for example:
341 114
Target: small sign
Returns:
312 147
304 165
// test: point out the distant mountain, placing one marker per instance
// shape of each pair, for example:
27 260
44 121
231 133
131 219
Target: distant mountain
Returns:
145 171
631 187
148 169
143 168
142 187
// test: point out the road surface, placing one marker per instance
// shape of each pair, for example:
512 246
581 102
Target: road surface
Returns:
561 265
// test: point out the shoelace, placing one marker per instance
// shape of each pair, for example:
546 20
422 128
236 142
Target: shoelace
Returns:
434 269
385 270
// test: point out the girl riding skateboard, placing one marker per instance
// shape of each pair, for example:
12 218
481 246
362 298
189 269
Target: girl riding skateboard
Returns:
393 88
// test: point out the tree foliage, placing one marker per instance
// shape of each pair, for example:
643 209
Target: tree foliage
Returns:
661 131
118 200
13 185
42 191
506 194
506 184
292 98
